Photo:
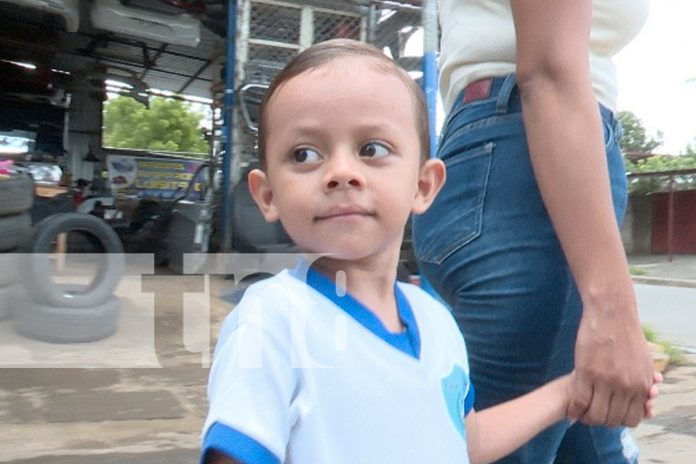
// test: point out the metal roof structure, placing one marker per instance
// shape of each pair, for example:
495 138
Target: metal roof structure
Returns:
27 35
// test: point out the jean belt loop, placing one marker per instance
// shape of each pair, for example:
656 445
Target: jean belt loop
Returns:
505 93
448 116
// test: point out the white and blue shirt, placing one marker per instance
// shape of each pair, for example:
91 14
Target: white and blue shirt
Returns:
303 373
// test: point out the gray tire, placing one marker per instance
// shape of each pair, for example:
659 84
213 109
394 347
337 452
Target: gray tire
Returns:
67 325
9 263
14 230
38 269
9 296
16 194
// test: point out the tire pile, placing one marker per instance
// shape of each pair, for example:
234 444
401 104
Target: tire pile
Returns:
16 198
68 313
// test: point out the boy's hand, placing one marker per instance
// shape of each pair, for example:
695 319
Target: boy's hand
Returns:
652 397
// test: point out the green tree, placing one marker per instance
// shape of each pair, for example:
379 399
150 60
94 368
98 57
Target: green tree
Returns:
168 125
634 137
651 184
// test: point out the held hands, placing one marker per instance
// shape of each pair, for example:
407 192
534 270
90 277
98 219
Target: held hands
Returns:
613 366
648 405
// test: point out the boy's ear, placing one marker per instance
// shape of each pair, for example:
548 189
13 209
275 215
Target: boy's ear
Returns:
430 180
262 193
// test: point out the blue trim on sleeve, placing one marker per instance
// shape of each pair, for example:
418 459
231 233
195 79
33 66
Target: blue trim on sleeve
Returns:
407 341
469 400
235 445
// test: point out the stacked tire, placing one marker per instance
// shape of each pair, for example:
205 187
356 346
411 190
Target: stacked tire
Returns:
69 313
16 198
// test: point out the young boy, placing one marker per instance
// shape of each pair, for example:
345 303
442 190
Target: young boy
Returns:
334 362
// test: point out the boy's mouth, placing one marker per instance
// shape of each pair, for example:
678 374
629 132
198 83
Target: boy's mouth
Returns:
343 212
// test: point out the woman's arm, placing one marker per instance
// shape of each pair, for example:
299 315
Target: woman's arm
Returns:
498 431
565 138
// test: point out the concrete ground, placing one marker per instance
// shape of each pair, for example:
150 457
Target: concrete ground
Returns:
659 270
670 438
142 398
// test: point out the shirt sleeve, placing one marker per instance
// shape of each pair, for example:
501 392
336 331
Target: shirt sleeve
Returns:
250 387
236 445
469 399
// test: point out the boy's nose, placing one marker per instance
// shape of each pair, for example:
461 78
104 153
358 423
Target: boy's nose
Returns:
343 171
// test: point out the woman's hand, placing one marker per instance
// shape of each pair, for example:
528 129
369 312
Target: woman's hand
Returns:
614 370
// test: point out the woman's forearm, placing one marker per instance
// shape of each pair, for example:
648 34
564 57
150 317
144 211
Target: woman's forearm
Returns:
566 143
567 151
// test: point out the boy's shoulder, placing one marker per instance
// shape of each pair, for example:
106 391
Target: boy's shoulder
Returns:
430 313
283 287
423 302
276 291
259 299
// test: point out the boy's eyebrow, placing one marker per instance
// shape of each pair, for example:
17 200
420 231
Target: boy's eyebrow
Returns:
379 126
309 129
315 128
318 128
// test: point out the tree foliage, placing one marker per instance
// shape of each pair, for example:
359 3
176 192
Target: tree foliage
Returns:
691 149
635 138
651 184
168 125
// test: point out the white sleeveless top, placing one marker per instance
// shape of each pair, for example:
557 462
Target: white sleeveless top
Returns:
479 41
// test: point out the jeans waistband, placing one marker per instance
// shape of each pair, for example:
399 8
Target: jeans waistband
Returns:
503 87
484 90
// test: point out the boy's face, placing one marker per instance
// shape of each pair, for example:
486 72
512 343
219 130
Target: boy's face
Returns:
343 169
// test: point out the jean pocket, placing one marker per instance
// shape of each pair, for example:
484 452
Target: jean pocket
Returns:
456 216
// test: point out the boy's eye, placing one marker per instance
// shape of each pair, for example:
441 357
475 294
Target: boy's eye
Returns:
374 150
305 155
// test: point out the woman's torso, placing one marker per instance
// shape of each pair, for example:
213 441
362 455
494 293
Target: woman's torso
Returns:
478 40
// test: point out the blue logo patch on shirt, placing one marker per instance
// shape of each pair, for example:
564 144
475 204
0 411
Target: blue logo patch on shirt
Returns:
453 391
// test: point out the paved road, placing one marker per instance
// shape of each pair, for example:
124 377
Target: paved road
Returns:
670 438
670 311
175 456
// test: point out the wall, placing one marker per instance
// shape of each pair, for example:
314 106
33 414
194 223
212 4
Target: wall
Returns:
684 238
636 231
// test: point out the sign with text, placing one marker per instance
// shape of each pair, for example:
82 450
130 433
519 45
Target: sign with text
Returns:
152 177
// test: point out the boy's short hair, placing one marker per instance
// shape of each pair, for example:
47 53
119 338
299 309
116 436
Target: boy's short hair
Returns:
324 52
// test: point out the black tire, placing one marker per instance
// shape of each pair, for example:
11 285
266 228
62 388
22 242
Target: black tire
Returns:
67 325
251 233
14 230
9 263
9 295
38 275
16 194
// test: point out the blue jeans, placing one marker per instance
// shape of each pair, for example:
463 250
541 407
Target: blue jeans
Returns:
488 247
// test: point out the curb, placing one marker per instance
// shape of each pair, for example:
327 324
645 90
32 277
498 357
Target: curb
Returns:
664 281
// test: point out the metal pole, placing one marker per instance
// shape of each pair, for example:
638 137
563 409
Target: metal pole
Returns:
227 130
670 219
430 75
